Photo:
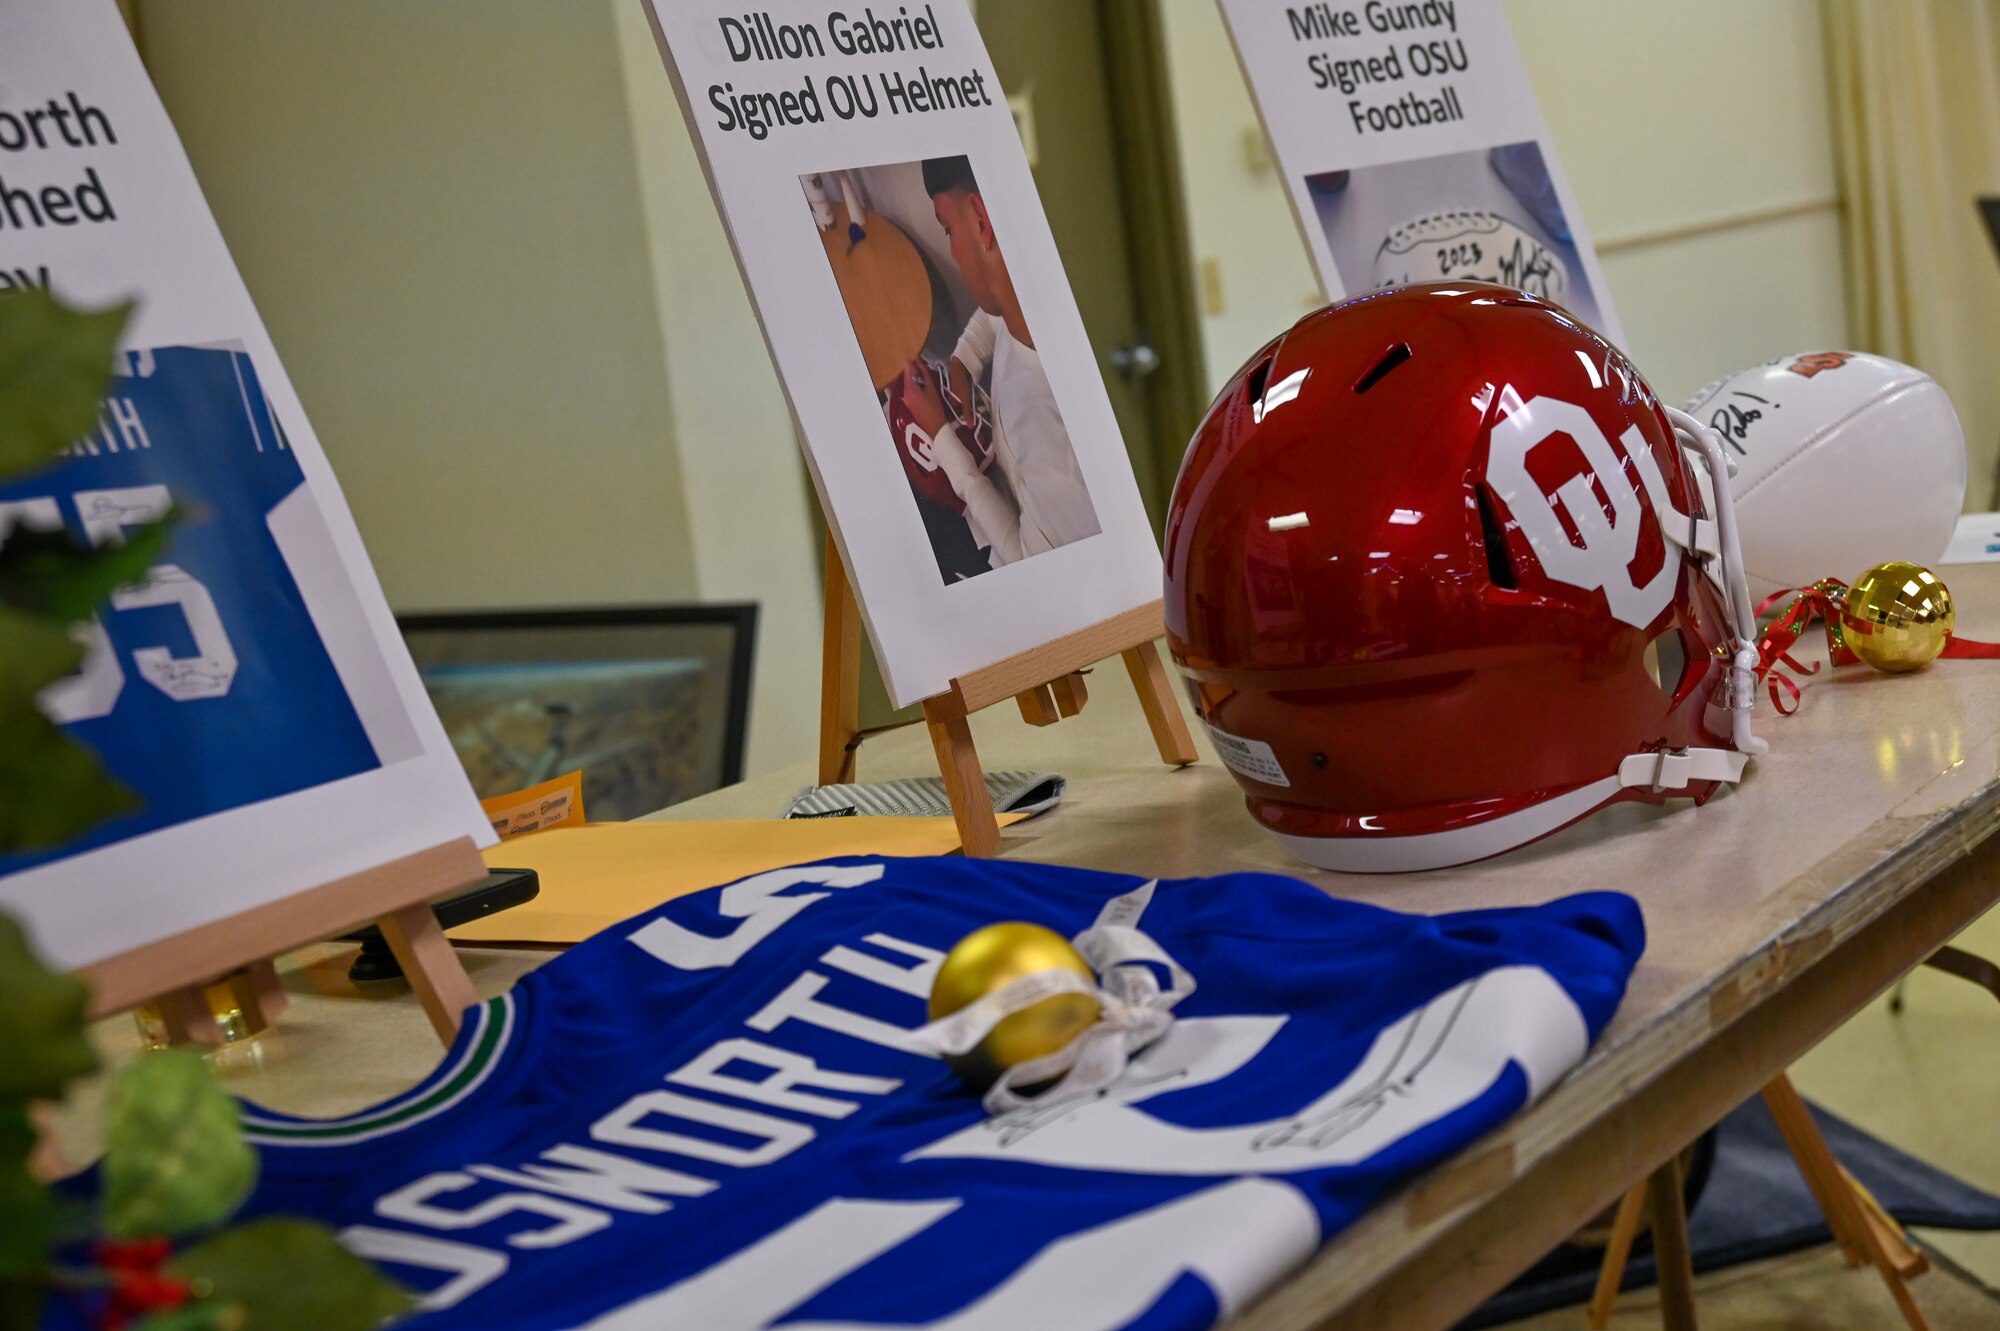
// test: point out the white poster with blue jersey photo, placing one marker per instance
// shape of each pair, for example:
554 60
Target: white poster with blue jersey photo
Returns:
251 689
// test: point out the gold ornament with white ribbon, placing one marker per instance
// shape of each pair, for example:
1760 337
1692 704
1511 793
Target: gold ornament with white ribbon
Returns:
1027 1016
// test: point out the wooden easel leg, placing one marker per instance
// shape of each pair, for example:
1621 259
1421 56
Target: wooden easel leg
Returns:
1841 1198
1070 693
185 1015
964 782
433 969
1156 696
1038 706
1837 1195
1670 1247
265 994
840 675
1617 1254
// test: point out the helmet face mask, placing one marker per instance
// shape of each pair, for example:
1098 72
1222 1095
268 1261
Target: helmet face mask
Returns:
1440 581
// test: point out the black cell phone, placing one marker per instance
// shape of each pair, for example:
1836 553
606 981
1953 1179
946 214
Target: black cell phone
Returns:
498 890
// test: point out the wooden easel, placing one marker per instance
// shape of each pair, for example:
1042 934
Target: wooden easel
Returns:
1046 681
1862 1229
397 896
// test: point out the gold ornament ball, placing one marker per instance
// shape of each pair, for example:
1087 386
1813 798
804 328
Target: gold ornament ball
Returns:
1898 616
990 959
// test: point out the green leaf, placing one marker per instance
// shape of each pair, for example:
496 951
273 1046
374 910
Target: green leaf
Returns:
30 1229
42 1017
207 1315
47 573
20 1305
174 1155
55 365
286 1274
34 653
52 789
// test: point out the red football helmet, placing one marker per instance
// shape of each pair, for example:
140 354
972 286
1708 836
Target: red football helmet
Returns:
914 446
1440 582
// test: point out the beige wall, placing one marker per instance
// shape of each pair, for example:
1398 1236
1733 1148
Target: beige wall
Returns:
480 239
435 208
748 495
1662 125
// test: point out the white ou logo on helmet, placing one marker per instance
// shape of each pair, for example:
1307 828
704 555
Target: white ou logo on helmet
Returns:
1604 559
918 445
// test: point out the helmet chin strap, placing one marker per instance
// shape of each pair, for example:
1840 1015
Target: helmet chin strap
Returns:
1699 439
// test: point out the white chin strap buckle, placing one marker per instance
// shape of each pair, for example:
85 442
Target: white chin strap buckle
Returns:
1667 769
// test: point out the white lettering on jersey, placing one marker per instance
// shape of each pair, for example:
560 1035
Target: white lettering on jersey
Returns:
915 980
1604 559
754 901
787 1070
412 1204
212 669
797 1003
471 1269
1237 1238
601 1177
623 1127
1424 1067
93 690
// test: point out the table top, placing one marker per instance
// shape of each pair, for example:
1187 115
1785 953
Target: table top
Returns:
1876 783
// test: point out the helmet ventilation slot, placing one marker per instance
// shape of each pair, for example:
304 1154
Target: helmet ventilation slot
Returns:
1499 564
1391 358
1254 383
1667 662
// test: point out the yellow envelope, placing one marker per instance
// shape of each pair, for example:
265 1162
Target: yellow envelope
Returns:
537 808
594 875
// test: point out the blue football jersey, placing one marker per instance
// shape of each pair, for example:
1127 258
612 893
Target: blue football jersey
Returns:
194 674
711 1116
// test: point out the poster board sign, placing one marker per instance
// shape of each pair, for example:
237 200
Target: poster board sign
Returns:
253 690
1413 150
952 411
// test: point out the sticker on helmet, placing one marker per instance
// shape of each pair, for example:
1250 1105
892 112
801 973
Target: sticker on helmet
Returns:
1251 758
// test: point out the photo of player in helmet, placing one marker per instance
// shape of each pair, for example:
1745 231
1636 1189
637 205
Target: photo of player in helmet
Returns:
964 394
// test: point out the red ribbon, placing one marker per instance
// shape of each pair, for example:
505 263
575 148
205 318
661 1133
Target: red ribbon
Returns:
1825 601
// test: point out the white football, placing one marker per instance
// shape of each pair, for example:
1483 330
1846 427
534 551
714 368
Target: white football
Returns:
1844 460
1469 245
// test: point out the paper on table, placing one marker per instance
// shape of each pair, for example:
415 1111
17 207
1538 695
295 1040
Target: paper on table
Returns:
597 874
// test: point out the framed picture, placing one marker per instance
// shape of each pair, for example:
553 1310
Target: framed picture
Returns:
651 702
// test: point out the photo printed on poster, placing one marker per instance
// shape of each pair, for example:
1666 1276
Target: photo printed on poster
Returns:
191 674
1485 215
1413 150
970 413
951 407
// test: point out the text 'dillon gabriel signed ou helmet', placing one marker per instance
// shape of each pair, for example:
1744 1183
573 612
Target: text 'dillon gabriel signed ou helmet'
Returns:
1440 581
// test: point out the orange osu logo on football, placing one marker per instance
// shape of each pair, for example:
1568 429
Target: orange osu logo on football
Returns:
1813 362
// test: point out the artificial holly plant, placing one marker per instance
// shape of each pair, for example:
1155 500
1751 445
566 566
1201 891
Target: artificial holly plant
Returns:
146 1253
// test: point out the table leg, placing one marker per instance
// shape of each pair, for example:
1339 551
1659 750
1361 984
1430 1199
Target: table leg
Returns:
1670 1247
1966 966
1617 1253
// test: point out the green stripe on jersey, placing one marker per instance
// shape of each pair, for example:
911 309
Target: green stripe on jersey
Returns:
496 1021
